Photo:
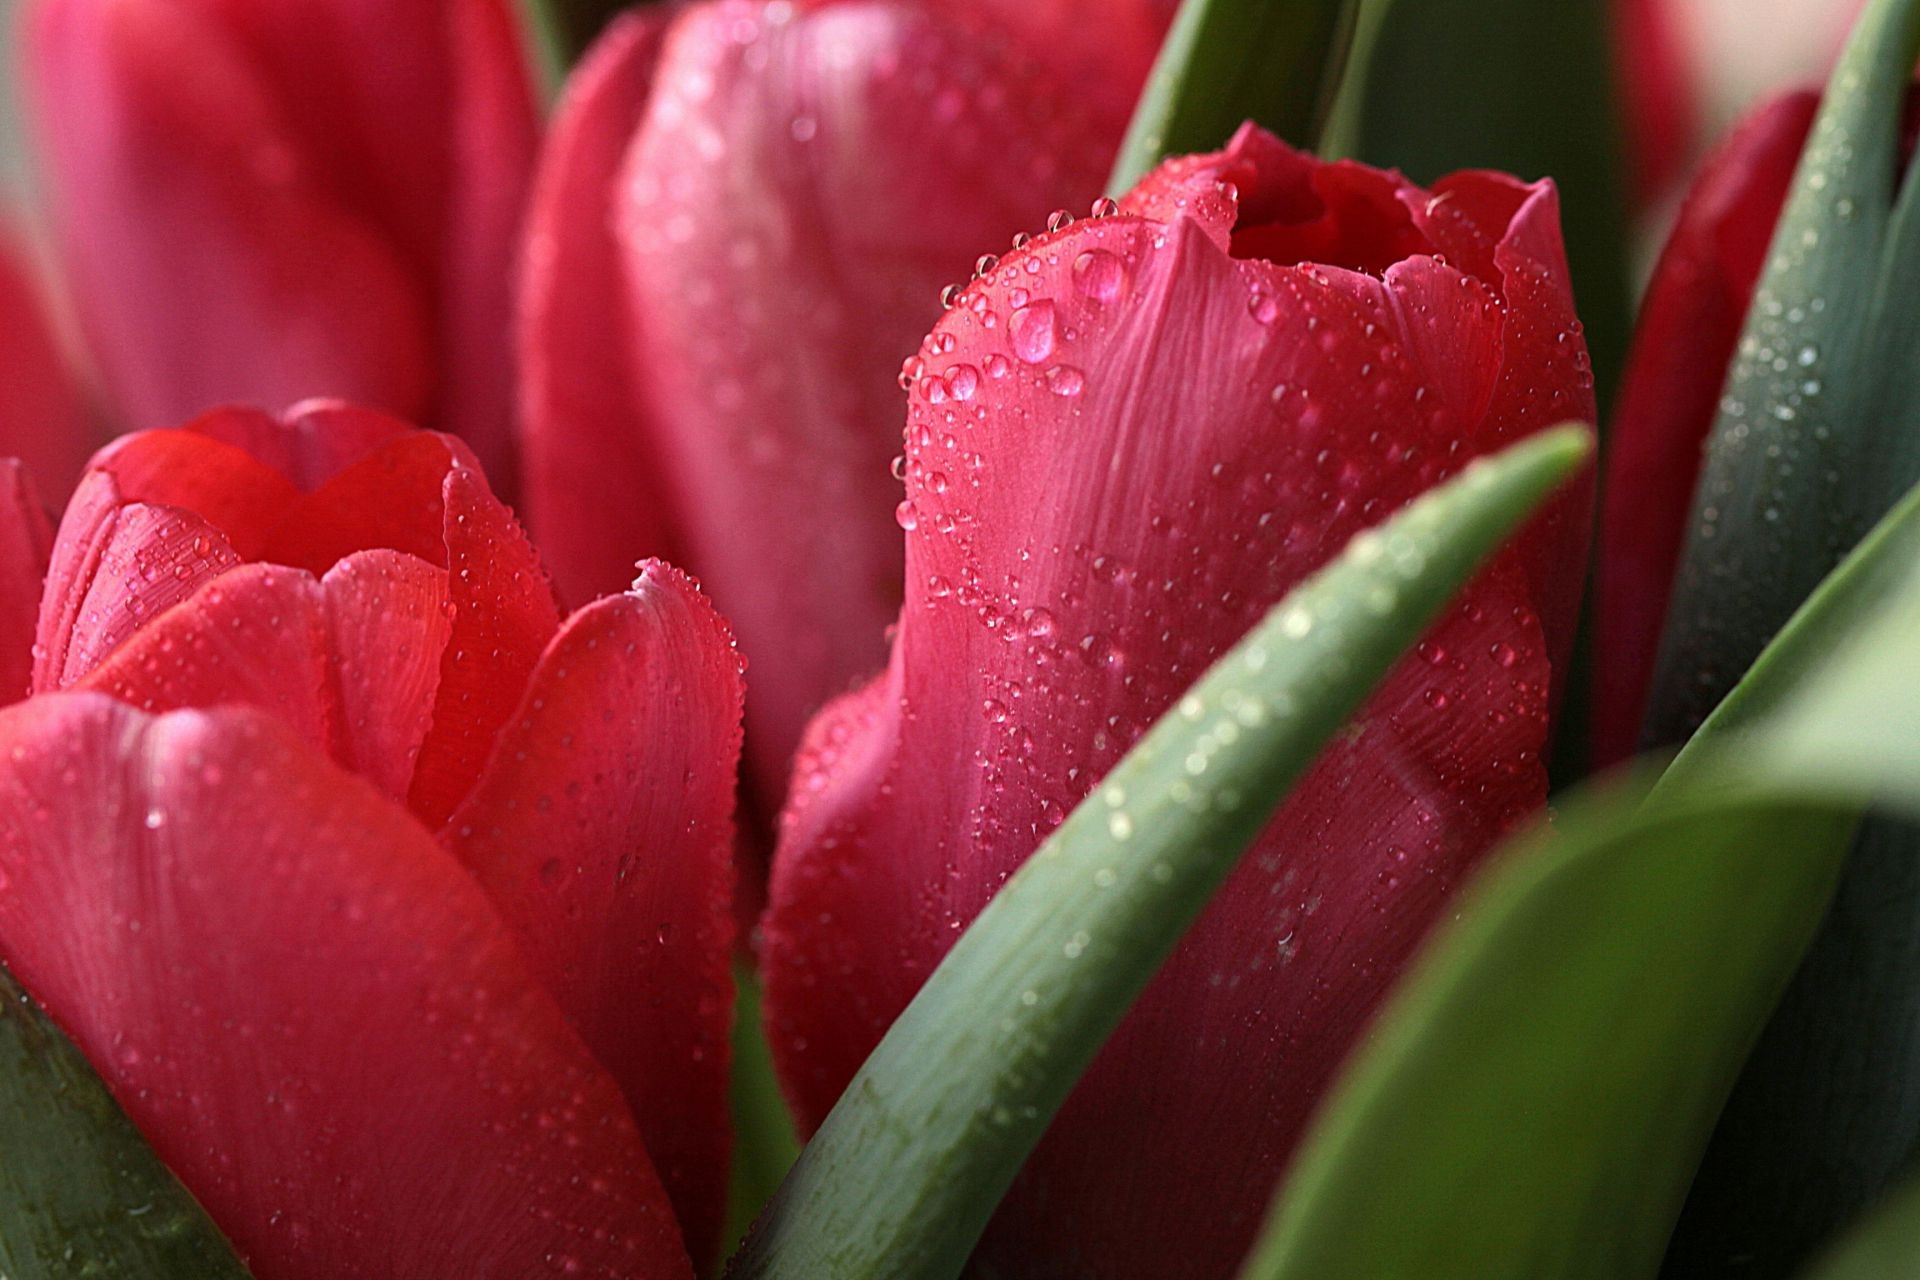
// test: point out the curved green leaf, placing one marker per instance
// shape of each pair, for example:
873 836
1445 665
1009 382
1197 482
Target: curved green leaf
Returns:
911 1163
1885 1247
1224 62
81 1193
1538 1094
764 1143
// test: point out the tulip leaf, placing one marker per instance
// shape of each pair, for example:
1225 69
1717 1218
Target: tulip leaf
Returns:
1523 86
1224 62
1537 1096
764 1143
903 1176
81 1193
1884 1247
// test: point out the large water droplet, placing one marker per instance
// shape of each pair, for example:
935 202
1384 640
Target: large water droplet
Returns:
1034 330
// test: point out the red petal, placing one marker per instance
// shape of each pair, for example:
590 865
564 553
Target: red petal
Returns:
602 829
223 483
43 416
207 258
111 577
1689 324
308 1008
1660 98
503 617
26 540
390 498
309 444
389 621
593 494
777 286
1147 447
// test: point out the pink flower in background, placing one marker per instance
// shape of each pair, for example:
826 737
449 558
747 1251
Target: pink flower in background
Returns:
44 421
1125 442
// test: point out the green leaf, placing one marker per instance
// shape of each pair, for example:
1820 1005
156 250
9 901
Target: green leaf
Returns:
1537 1095
81 1193
911 1163
1524 86
564 29
1885 1247
1225 62
764 1142
1819 431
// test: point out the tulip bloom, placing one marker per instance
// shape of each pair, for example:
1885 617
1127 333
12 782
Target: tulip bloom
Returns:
1125 442
1695 308
742 225
267 200
411 954
43 416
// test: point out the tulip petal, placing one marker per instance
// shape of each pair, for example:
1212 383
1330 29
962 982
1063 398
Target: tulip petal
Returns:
43 416
602 829
309 444
392 497
223 483
26 540
180 192
1159 438
388 622
1689 326
308 1008
778 286
503 616
593 494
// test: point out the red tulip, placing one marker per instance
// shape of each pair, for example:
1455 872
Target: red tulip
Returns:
1691 319
1125 443
266 200
43 416
742 225
372 951
1659 96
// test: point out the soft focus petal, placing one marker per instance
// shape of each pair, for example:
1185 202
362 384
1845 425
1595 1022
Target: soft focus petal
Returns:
43 416
1740 52
593 491
1659 94
208 260
1689 325
602 829
26 540
1157 440
803 184
308 1008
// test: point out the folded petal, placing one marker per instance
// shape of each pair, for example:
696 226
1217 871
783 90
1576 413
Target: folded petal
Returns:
1125 443
181 190
391 497
602 829
804 182
26 540
309 444
1689 324
44 420
593 491
308 1008
389 620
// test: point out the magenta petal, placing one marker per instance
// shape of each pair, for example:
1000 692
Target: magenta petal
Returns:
1125 444
593 494
804 182
209 261
26 540
602 829
308 1008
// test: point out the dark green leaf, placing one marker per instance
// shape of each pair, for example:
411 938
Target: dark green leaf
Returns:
81 1193
911 1163
1225 62
764 1144
1885 1247
565 28
1537 1095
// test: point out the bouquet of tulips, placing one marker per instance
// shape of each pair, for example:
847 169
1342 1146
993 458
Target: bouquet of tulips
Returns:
917 639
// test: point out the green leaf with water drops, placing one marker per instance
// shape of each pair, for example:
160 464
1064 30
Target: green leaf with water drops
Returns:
1884 1247
1277 62
910 1164
1538 1094
1523 86
81 1193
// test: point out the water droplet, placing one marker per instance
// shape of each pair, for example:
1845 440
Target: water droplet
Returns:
1099 275
1065 380
1034 331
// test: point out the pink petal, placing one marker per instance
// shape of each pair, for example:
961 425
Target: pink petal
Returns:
503 617
44 419
800 189
389 621
1689 324
208 259
310 443
308 1008
593 495
1161 437
26 540
602 829
223 483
